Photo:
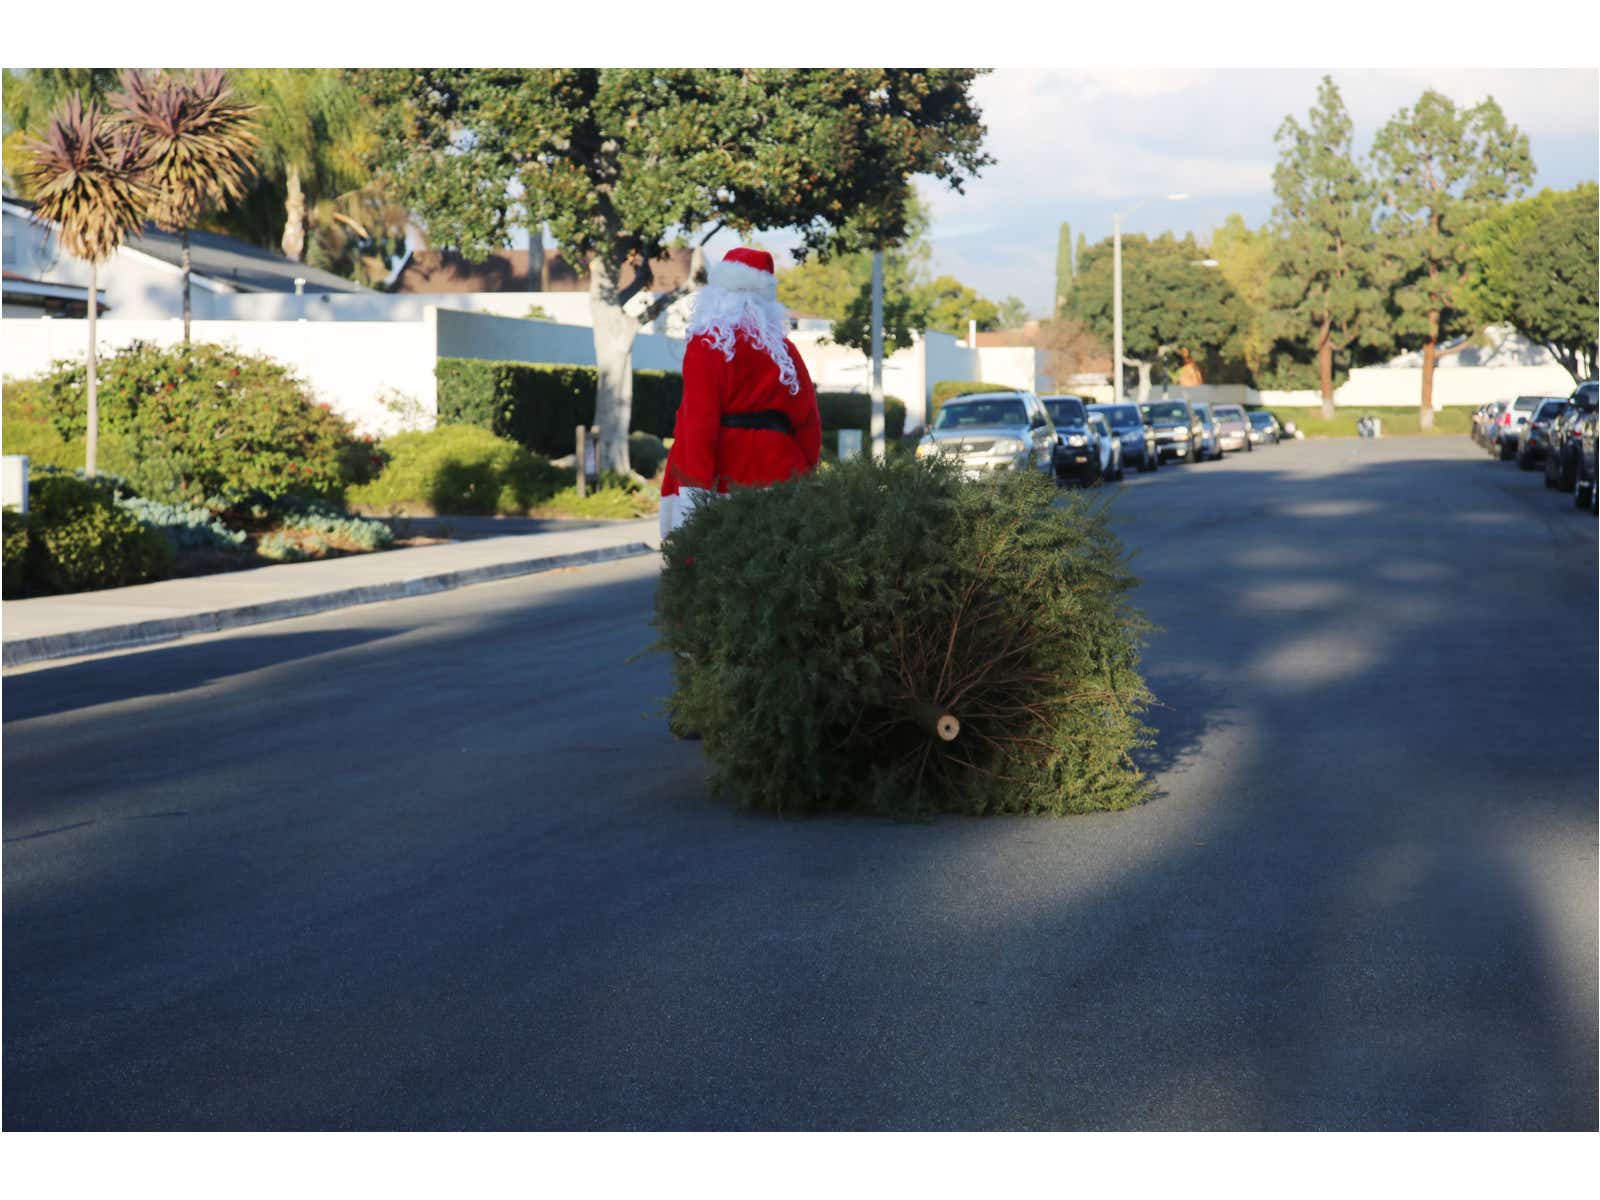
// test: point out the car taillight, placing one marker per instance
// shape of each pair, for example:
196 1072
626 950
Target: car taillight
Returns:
1505 419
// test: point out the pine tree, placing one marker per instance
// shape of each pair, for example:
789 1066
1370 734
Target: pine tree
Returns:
1323 285
1442 169
1063 266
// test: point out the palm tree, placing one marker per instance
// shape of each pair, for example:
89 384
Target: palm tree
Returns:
198 139
86 177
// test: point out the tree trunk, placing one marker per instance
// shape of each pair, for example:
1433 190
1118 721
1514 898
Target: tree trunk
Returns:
536 257
294 225
93 437
613 355
1325 369
186 265
1430 352
1144 382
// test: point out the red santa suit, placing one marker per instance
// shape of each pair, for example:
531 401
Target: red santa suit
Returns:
749 412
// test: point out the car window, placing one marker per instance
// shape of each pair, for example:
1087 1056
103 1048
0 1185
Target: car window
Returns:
1549 409
1261 420
1526 403
970 414
1165 410
1066 411
1120 416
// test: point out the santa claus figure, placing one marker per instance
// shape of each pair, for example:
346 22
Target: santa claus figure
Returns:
749 413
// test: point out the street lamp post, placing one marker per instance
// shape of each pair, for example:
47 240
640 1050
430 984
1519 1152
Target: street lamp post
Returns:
1116 296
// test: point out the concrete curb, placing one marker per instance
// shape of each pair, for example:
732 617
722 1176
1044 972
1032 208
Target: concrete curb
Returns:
145 633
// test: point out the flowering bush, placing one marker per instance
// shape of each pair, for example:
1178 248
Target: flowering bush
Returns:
207 425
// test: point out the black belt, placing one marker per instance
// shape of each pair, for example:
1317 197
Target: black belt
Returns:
774 419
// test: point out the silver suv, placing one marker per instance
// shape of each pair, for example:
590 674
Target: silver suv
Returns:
993 431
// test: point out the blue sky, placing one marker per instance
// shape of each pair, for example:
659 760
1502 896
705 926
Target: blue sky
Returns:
1080 145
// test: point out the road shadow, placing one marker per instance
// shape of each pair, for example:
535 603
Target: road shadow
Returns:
1344 911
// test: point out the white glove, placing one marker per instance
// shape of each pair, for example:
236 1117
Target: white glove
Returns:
690 499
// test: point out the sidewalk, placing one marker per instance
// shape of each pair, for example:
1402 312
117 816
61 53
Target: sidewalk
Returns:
92 622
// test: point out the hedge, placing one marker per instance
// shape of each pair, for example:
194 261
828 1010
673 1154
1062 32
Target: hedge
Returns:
539 405
947 388
853 410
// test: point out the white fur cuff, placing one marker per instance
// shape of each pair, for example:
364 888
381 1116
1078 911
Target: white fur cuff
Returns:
736 277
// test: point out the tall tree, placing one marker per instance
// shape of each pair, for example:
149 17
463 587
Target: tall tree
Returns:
1442 169
620 160
1533 266
1174 309
29 100
1324 284
198 138
1244 256
86 176
1063 267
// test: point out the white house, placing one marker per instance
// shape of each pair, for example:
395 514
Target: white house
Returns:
142 281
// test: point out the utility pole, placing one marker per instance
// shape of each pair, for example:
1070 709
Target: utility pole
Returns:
876 423
1116 307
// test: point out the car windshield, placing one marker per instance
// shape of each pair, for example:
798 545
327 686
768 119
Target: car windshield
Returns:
1229 414
1165 411
1261 420
1526 403
971 414
1549 409
1066 411
1121 416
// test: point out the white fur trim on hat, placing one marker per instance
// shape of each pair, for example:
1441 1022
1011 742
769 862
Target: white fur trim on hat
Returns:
736 277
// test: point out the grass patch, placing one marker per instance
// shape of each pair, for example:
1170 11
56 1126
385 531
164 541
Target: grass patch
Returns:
1397 422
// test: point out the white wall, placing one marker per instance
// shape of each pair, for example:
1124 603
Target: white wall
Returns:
350 366
1401 387
1013 366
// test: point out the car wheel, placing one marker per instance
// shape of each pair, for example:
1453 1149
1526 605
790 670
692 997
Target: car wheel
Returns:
1506 452
1580 497
1524 461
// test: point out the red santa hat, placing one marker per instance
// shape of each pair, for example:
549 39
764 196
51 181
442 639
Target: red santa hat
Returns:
743 269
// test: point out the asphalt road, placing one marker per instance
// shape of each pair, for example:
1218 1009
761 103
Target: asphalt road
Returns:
434 864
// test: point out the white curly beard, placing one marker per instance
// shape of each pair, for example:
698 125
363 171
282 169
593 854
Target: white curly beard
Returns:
719 313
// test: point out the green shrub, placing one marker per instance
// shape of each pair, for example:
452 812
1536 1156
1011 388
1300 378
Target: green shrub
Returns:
457 469
16 554
200 425
853 410
808 622
27 429
618 498
334 528
539 405
79 540
646 453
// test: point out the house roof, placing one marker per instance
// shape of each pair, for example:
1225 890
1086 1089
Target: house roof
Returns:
235 262
229 261
508 271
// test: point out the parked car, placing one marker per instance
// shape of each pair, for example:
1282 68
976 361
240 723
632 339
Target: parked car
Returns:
1586 493
1174 424
1233 428
1110 447
1508 425
1561 463
1137 438
1077 453
1534 440
1206 442
993 431
1264 429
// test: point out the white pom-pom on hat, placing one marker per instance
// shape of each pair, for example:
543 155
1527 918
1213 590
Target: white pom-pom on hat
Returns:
743 269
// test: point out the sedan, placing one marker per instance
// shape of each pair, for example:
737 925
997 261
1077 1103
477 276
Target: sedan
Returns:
993 431
1533 443
1138 439
1264 429
1077 454
1110 446
1233 428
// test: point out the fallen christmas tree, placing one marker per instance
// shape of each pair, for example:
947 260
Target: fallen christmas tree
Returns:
891 638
